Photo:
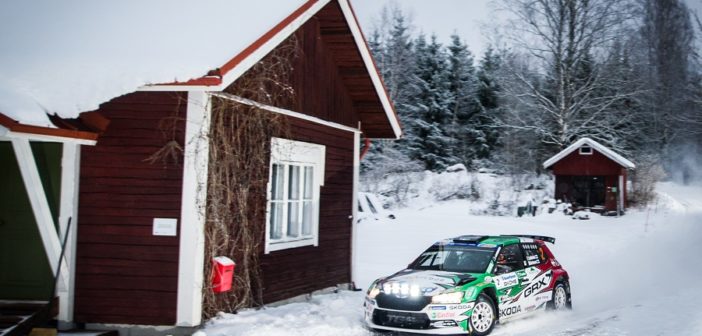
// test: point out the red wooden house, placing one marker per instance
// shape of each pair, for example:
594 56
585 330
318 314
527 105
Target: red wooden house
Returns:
139 247
590 175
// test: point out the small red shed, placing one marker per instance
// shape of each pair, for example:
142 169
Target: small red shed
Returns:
590 175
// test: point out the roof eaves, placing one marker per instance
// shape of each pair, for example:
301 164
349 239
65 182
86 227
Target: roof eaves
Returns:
12 127
592 143
371 67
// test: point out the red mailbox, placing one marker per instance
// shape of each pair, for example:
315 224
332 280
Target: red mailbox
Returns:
222 274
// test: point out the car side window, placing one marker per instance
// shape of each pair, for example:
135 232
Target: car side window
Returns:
533 254
510 259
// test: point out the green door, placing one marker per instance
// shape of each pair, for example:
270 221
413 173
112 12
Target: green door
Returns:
24 270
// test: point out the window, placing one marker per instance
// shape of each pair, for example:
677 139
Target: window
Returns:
533 253
296 175
454 258
509 259
585 150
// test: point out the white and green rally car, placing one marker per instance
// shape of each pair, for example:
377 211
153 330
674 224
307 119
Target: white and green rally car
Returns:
467 284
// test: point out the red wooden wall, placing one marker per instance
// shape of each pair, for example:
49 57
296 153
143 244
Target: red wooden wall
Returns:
296 271
586 165
124 274
319 92
596 164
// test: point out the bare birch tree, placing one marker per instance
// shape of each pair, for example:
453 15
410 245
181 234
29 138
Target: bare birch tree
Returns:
553 82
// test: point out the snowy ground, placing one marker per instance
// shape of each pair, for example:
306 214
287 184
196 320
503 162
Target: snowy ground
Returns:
634 275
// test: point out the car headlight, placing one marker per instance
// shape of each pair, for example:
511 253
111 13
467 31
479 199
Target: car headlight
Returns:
373 291
448 298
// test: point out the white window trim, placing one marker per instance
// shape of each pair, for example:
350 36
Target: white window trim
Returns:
284 151
580 150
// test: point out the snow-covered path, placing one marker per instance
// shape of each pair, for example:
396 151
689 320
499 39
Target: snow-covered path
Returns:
634 275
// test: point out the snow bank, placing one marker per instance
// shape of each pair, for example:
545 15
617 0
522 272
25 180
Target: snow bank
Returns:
70 56
329 314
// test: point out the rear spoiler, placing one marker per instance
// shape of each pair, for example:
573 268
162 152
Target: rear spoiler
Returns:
544 238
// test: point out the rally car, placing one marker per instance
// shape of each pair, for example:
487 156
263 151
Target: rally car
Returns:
468 284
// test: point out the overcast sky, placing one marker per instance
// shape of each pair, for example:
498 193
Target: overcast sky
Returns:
443 17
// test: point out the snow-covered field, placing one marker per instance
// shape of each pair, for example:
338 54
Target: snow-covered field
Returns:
635 275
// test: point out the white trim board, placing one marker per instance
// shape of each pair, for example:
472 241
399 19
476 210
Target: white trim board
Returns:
279 110
70 177
9 135
354 205
192 217
595 146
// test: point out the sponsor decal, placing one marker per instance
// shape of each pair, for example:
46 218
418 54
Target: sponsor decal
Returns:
461 307
443 315
526 240
538 284
506 280
543 297
509 311
487 245
438 308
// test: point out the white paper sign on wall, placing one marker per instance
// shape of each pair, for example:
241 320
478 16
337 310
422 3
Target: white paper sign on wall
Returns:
165 226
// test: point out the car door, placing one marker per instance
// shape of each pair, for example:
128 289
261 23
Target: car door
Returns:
536 278
509 274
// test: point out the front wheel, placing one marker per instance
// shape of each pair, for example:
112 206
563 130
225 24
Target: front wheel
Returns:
482 320
561 297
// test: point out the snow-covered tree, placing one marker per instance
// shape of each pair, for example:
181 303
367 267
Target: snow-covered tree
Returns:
430 106
553 81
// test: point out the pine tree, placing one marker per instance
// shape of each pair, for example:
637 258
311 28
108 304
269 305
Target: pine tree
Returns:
430 107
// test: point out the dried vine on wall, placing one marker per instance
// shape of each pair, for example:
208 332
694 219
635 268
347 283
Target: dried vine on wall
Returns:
238 171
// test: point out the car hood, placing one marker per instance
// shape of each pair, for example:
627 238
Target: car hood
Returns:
430 282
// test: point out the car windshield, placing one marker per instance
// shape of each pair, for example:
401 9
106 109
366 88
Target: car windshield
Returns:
461 258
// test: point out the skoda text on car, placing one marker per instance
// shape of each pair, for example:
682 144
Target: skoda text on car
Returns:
467 284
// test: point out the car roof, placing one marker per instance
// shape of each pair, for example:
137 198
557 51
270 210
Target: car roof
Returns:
495 240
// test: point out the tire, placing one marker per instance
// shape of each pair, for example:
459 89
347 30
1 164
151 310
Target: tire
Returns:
560 299
484 316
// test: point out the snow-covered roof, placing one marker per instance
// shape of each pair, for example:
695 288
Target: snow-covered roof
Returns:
69 56
595 145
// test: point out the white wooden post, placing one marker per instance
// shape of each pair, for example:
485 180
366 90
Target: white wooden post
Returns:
354 203
40 207
192 216
70 177
620 200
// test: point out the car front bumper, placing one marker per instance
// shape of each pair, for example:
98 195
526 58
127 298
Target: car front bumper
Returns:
434 319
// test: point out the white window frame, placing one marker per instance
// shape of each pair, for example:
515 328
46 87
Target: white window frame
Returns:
580 150
303 154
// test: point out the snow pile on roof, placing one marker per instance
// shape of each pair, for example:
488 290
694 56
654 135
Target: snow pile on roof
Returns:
594 144
67 57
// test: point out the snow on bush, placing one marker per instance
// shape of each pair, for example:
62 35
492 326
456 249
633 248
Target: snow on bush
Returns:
484 192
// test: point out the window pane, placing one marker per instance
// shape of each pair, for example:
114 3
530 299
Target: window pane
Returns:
293 219
308 183
307 218
277 182
276 223
294 183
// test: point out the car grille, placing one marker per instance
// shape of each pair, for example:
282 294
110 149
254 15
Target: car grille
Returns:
396 303
405 320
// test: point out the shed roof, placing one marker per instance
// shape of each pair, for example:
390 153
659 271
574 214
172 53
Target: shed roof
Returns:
612 155
69 57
